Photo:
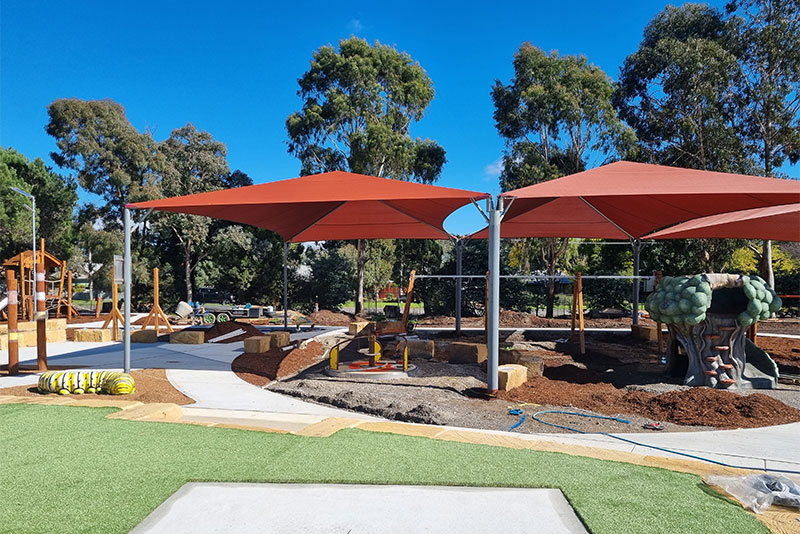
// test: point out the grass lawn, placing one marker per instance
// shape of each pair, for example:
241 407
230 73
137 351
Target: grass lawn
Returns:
68 468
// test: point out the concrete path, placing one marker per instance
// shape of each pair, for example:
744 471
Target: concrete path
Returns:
360 509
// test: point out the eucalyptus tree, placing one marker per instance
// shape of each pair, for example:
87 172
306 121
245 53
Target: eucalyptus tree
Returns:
678 92
109 156
767 34
359 103
554 114
194 163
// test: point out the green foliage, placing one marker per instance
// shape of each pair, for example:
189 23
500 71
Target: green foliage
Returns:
765 35
554 111
677 92
358 105
56 198
110 157
334 276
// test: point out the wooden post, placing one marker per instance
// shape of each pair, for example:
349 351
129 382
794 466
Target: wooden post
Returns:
13 337
115 315
581 335
61 289
659 326
69 295
97 308
23 296
41 319
156 311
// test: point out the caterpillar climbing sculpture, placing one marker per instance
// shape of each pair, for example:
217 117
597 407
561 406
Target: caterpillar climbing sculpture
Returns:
78 382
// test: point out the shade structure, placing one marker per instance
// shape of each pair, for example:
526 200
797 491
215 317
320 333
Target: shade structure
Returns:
780 223
332 205
630 200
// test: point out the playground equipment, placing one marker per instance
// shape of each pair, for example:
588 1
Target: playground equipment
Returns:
115 315
367 357
156 312
385 354
22 265
79 382
708 316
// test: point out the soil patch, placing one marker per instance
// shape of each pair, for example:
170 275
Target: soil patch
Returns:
260 369
514 319
220 329
331 318
151 386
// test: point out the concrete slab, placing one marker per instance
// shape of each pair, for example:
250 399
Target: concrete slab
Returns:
342 508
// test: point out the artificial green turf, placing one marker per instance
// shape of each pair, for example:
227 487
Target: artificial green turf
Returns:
66 468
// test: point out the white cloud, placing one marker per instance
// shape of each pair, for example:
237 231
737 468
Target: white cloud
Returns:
354 25
493 169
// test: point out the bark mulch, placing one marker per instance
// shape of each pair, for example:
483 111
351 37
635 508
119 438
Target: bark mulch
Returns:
331 318
220 329
696 406
151 386
785 352
260 369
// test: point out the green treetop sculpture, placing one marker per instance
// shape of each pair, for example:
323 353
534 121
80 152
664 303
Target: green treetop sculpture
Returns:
708 315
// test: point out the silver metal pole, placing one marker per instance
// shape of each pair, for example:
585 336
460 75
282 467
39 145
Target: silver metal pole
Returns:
285 287
459 250
493 335
637 248
126 293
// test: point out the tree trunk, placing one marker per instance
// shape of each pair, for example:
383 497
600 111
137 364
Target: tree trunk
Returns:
90 270
187 258
766 264
551 296
361 260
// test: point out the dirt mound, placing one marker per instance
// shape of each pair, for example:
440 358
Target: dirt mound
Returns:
696 406
330 318
260 369
515 319
220 329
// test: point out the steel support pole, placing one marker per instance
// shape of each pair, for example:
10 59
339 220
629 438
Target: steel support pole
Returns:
637 248
126 293
494 211
285 287
459 250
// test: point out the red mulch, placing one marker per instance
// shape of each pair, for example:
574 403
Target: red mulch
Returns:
260 369
696 406
785 352
151 386
220 329
514 319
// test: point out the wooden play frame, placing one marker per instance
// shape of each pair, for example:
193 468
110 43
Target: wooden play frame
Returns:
156 312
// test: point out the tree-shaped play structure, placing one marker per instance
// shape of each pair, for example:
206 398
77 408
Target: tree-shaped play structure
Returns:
708 316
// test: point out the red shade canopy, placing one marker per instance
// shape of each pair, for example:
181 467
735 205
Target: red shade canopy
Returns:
626 199
781 223
331 205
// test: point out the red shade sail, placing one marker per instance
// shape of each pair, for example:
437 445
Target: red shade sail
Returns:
631 200
332 205
781 223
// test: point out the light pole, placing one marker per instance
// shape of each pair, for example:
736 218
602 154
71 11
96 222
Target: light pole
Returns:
32 207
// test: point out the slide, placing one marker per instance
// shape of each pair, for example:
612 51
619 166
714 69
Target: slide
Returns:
3 303
760 367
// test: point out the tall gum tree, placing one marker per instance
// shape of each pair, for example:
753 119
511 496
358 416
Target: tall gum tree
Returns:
555 112
359 103
767 34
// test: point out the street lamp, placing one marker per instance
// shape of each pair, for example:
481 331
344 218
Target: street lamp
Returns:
32 207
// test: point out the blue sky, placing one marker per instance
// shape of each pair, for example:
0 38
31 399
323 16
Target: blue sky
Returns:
231 68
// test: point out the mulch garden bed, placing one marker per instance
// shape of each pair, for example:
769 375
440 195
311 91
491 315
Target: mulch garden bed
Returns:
220 329
261 369
785 352
151 386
